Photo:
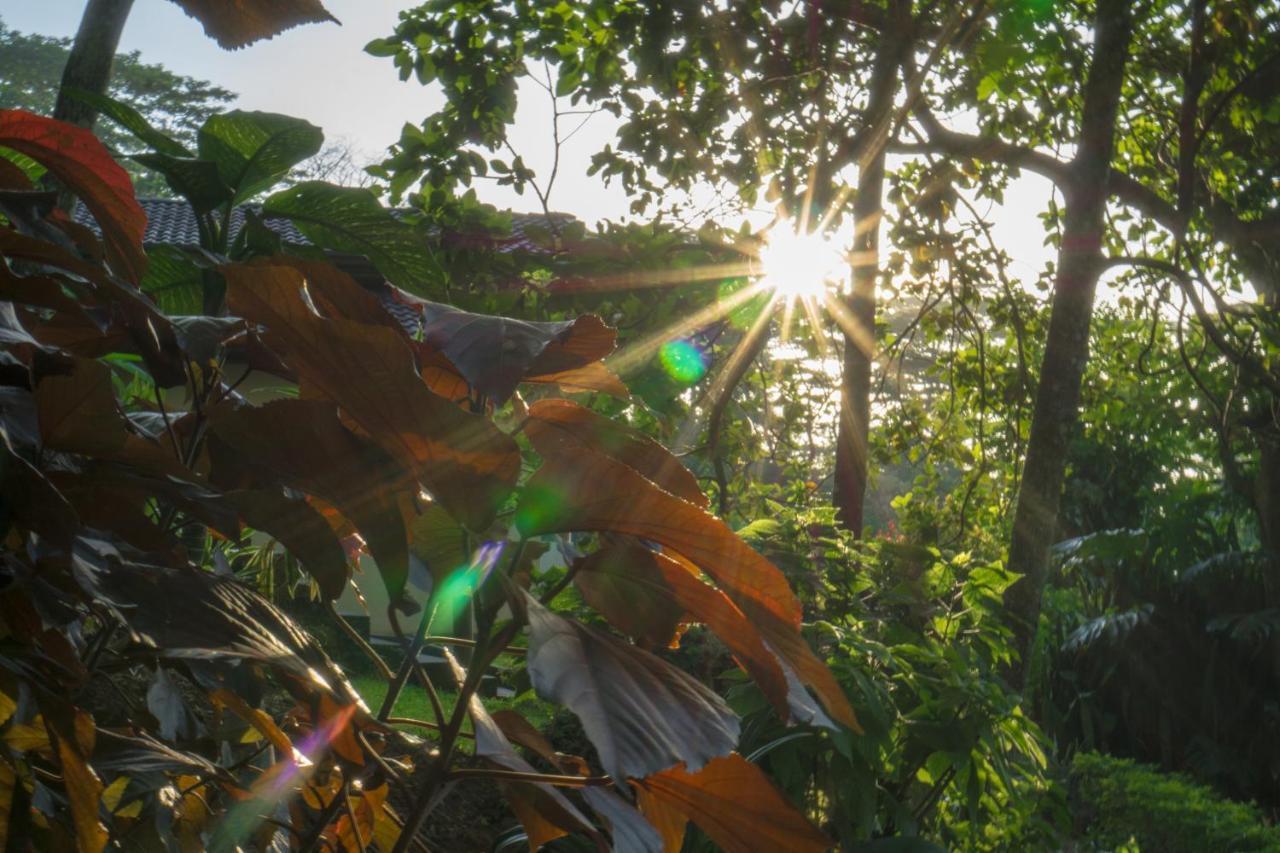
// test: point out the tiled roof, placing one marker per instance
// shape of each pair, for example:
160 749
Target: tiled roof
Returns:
173 221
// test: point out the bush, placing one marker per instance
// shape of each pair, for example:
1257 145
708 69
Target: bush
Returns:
1116 802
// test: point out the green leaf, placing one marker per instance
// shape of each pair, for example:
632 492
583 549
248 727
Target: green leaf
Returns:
173 280
198 181
347 219
253 150
131 120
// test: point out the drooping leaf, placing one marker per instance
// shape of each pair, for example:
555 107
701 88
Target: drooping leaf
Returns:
495 354
347 219
198 181
545 812
641 713
645 594
220 618
629 830
463 459
242 22
254 150
587 491
83 165
439 542
734 802
259 445
165 702
130 119
78 412
562 426
335 293
73 731
590 377
303 530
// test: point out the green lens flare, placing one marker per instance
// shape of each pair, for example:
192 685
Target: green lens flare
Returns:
682 361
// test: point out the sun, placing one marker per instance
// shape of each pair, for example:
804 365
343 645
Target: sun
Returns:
800 265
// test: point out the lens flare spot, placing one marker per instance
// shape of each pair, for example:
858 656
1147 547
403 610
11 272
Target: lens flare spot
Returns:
682 361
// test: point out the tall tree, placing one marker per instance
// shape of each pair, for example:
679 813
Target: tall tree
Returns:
790 104
31 66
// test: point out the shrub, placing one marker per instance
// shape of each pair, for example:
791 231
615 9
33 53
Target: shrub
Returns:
1116 801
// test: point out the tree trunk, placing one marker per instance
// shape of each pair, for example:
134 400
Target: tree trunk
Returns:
852 438
1067 347
89 64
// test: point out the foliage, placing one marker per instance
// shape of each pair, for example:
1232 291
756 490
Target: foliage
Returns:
175 104
1119 802
124 434
918 638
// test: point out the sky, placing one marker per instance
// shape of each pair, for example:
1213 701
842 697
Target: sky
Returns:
320 72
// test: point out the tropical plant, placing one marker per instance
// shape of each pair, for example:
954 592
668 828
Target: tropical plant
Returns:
248 733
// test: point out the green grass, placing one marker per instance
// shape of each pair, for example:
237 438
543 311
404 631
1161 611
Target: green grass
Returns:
413 703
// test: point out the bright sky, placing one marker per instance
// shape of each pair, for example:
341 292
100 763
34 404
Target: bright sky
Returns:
320 72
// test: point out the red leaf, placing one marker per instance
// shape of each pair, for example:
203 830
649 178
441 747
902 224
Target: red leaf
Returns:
732 801
562 426
83 164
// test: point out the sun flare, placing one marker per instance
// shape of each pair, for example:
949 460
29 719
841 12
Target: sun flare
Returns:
800 265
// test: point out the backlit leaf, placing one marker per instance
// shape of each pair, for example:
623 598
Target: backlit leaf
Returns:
76 157
348 219
562 426
495 354
463 459
640 590
734 802
254 150
236 23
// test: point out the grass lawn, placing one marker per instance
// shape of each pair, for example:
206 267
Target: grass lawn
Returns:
413 703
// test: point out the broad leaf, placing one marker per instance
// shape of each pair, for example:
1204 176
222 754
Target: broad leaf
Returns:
466 463
641 714
174 281
733 802
130 119
73 732
645 594
300 528
495 354
198 181
259 445
253 151
630 831
591 377
83 165
236 24
545 812
347 219
78 412
562 426
587 491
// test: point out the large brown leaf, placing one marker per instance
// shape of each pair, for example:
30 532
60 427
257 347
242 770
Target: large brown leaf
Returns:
257 445
645 594
590 377
589 491
83 164
300 528
641 713
72 729
495 354
78 411
586 490
562 426
545 812
734 803
236 23
467 463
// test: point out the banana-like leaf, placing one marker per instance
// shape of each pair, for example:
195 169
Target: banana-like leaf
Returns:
254 150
